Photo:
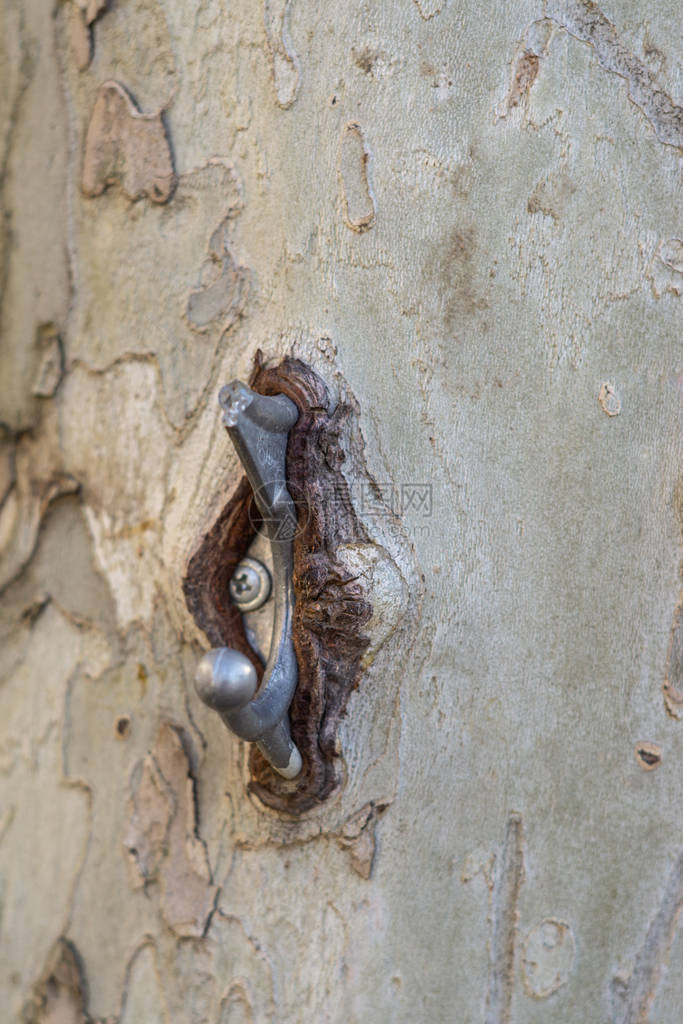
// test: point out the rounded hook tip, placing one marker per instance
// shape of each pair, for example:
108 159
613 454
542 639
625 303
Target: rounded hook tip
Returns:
225 679
294 765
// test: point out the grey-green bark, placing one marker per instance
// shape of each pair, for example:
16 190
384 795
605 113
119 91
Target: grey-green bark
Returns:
469 219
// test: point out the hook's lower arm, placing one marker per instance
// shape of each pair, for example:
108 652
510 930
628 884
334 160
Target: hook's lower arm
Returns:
258 426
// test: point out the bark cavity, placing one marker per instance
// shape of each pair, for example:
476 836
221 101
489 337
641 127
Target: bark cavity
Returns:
331 606
648 756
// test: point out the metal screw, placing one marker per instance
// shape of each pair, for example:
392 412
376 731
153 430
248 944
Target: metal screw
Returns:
250 585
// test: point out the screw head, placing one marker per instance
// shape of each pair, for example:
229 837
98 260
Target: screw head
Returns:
250 585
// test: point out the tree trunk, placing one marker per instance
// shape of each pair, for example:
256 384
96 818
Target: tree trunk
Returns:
464 220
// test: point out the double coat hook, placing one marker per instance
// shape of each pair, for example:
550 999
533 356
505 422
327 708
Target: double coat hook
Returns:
226 680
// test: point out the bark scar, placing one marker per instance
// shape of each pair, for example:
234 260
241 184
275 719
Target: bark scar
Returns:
331 605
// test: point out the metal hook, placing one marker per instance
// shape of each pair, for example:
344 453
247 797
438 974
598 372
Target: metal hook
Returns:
226 680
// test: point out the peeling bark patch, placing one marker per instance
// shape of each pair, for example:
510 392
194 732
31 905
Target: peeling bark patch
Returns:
524 76
283 59
60 997
609 400
220 299
61 570
648 756
82 14
162 841
151 808
548 957
585 21
671 254
673 701
142 998
23 511
633 996
357 200
80 37
331 607
51 365
188 897
127 148
673 695
527 64
508 879
665 269
673 677
358 837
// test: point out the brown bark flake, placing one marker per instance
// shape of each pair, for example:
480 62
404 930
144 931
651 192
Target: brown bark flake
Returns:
126 147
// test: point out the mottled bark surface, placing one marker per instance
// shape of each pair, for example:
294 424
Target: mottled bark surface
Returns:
466 220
